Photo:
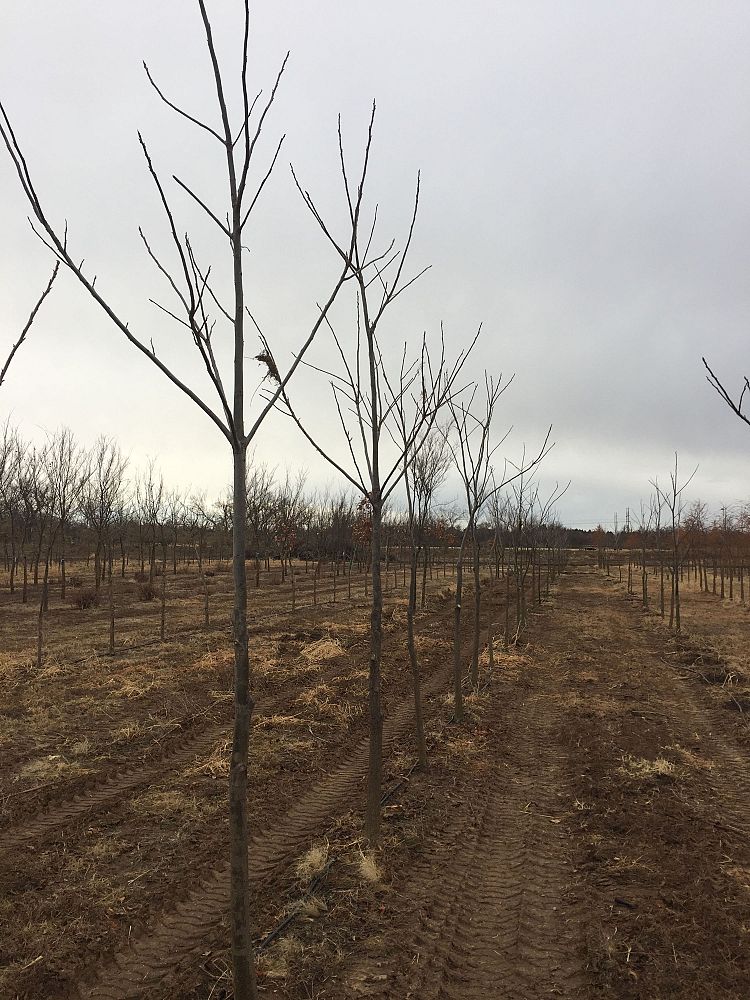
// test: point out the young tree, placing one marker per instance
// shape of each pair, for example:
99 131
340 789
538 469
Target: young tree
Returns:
197 307
365 401
673 502
424 472
100 496
472 455
67 473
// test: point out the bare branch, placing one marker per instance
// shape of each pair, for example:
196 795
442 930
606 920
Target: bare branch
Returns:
174 107
29 322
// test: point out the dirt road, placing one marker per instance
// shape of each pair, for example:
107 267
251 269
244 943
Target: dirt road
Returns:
599 848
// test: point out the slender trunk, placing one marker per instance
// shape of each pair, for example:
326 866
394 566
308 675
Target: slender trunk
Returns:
62 570
457 693
111 590
374 773
477 613
507 608
40 628
97 565
45 585
243 967
410 609
206 618
163 624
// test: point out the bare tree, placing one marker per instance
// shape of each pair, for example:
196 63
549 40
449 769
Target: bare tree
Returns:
424 472
100 497
365 400
473 452
11 458
67 473
672 500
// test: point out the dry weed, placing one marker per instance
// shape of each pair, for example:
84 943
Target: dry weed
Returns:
640 767
323 649
368 868
312 862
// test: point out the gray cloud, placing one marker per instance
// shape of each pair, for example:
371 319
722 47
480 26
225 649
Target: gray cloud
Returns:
585 196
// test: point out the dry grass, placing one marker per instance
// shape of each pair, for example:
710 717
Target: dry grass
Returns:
368 868
216 764
276 963
312 907
322 650
50 768
641 768
161 802
690 758
315 696
312 862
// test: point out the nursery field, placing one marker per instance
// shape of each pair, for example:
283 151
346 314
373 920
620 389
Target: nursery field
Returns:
582 834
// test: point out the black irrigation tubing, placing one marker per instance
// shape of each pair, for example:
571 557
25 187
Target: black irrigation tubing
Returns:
264 943
268 940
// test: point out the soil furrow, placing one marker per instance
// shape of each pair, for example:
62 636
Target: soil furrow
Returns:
153 956
114 785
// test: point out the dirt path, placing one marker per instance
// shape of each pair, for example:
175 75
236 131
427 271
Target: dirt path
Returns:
600 848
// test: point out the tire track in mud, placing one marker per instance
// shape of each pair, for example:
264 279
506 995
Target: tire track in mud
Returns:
123 782
492 914
689 716
179 933
686 714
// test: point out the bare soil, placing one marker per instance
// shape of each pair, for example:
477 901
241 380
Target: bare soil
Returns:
583 834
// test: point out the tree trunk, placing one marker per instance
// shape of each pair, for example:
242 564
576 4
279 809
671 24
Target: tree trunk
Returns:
45 586
111 592
477 613
375 766
40 629
163 621
410 609
457 693
243 967
206 618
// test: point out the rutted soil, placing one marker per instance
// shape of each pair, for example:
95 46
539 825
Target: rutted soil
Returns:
582 835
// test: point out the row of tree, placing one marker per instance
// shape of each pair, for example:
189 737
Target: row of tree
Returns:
405 418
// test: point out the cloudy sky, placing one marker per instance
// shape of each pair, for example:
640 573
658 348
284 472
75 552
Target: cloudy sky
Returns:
585 197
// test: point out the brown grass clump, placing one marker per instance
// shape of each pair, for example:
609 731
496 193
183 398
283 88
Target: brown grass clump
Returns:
216 764
368 868
160 802
49 768
312 862
323 649
641 768
276 962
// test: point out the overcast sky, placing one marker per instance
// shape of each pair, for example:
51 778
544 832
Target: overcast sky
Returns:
585 197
